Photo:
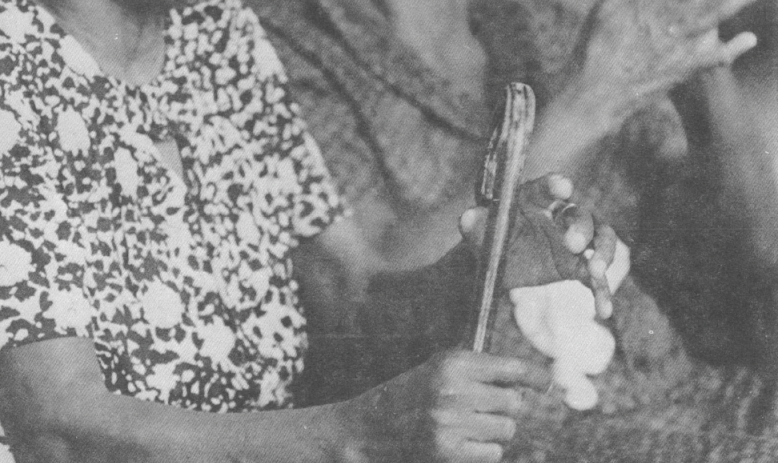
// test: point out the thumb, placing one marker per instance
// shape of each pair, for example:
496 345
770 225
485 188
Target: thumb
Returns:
472 226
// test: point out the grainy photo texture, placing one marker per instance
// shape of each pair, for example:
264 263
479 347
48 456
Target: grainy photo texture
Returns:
388 231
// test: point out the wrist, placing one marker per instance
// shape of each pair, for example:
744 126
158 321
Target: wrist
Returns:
570 125
600 107
338 432
382 422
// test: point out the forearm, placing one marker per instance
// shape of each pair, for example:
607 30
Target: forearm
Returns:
109 428
571 125
748 171
455 267
435 300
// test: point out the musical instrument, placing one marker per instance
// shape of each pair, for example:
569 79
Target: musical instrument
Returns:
499 180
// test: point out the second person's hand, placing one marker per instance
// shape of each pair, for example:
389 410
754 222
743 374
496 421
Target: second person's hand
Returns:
552 240
632 50
458 406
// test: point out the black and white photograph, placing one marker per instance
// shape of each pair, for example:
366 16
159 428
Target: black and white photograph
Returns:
379 231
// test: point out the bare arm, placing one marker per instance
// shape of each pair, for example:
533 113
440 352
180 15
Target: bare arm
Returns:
55 408
749 172
455 407
540 252
629 53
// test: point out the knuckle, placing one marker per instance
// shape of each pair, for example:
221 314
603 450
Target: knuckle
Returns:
445 444
451 364
441 420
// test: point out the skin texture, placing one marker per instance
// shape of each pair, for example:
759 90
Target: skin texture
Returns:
630 53
455 407
565 239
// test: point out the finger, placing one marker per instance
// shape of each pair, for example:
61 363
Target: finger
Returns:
560 187
738 45
725 10
732 7
491 369
480 452
544 191
723 54
499 400
451 446
619 268
478 427
472 226
602 297
579 228
482 398
604 250
482 427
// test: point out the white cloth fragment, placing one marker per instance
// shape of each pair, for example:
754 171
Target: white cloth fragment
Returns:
559 319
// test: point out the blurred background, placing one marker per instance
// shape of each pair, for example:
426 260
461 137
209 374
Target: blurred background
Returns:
399 95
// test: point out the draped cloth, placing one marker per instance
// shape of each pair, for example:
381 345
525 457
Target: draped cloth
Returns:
368 98
343 53
403 148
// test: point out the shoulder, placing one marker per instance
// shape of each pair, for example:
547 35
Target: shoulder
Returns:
219 20
227 35
32 61
21 52
258 53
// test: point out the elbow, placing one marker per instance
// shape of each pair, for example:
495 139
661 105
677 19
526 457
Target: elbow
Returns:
34 437
47 430
42 447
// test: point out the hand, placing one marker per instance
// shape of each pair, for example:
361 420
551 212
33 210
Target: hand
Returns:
633 49
456 407
551 241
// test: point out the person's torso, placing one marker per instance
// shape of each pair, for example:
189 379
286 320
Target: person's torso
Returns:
190 279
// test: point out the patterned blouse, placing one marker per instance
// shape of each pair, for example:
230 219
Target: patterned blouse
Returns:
183 284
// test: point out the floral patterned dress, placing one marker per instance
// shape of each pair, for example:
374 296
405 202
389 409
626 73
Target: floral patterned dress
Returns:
183 284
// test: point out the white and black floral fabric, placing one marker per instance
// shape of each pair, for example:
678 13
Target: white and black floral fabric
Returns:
183 284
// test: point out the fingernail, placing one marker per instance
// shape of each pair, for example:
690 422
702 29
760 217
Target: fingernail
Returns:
556 207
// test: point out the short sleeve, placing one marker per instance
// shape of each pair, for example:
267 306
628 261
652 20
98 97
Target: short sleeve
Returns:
42 259
318 204
315 203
